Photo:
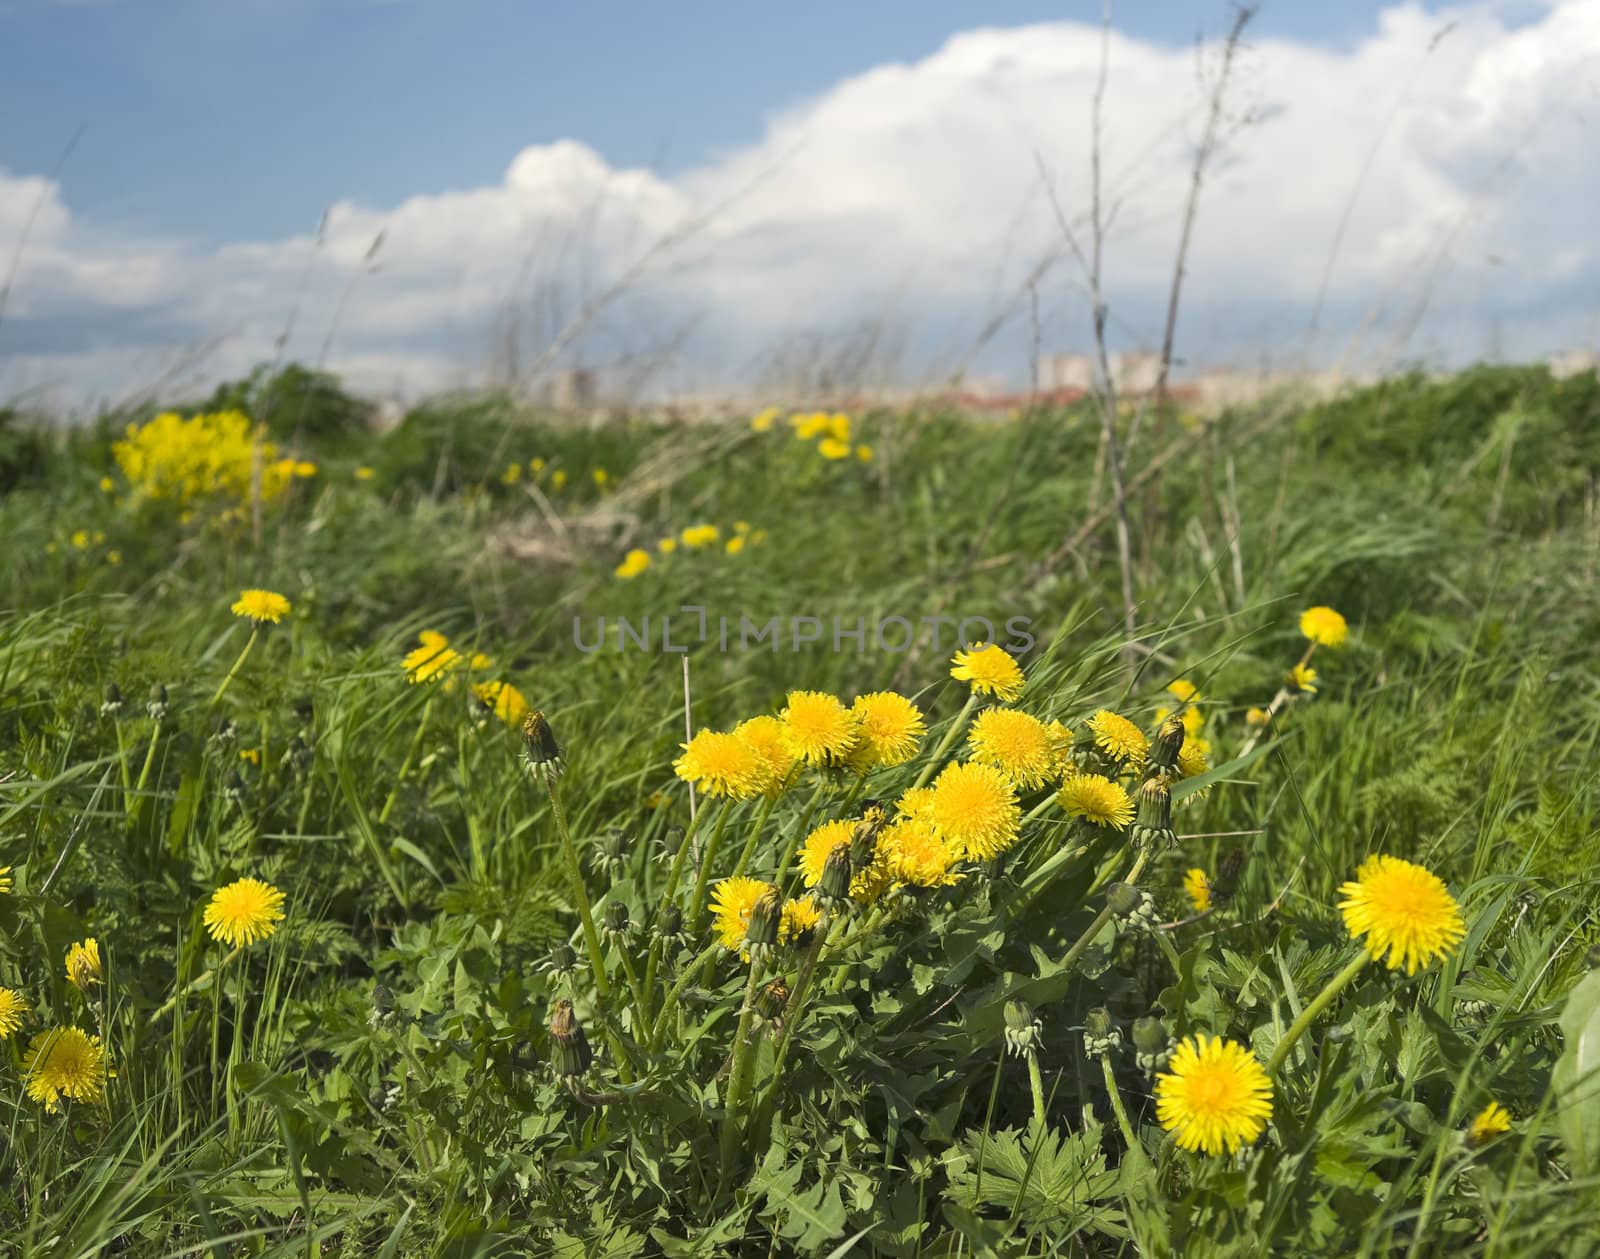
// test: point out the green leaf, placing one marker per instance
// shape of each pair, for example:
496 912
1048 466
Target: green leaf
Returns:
1576 1078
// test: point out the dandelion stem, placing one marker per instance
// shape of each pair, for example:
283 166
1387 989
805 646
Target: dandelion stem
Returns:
1101 919
685 977
149 759
122 762
255 632
698 900
734 1102
949 739
755 835
405 765
1036 1083
673 877
1116 1103
785 873
591 937
1319 1003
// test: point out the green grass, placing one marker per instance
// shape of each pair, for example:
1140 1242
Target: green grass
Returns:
375 1079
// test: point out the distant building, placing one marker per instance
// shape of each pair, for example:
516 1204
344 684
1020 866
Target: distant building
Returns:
1566 363
1132 372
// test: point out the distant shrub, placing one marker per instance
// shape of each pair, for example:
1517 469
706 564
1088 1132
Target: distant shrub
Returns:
296 402
23 450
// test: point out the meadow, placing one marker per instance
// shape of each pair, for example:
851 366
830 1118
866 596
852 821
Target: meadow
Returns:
508 835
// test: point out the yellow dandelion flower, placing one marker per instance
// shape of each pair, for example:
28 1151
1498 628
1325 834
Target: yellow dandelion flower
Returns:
1214 1096
253 755
1060 746
991 669
1492 1121
261 606
245 911
602 478
107 484
765 736
834 449
1192 760
1018 744
734 545
975 809
80 539
1096 799
822 841
914 853
809 424
364 473
503 700
820 729
1184 691
722 765
864 453
13 1009
1118 737
1256 717
799 916
113 557
1402 910
731 903
512 474
304 468
667 545
1193 719
5 880
432 660
761 421
1198 889
891 729
696 536
741 526
634 563
1324 626
536 465
558 479
1303 678
83 964
917 803
65 1062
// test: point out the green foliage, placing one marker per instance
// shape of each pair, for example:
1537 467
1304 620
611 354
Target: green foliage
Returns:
298 402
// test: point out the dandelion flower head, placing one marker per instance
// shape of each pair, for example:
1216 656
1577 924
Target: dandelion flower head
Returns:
1214 1097
1405 913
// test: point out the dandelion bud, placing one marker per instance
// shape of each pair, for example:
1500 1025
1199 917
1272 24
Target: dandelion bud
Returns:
1100 1034
1169 742
227 732
1152 1044
233 791
1024 1033
616 925
382 1006
671 841
772 999
834 885
1123 898
569 1047
669 923
562 961
112 704
613 854
762 933
538 740
864 838
157 705
1152 824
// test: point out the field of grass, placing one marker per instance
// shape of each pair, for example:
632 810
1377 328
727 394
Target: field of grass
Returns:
966 1069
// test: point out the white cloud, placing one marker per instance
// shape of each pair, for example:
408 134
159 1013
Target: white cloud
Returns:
1452 147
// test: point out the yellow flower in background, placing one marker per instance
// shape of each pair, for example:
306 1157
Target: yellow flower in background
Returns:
1303 678
113 558
434 659
13 1009
5 880
1096 799
503 700
667 545
1198 889
535 466
820 729
633 563
305 468
1192 760
734 545
731 903
818 844
891 729
107 485
261 606
602 478
253 755
799 916
1214 1097
512 474
696 536
1256 717
765 735
741 526
204 457
761 421
83 964
80 539
974 808
990 669
833 448
558 479
916 854
1403 911
916 803
364 473
1018 744
809 425
1492 1121
722 765
1118 737
864 453
245 911
1324 626
1193 719
839 427
65 1062
1184 690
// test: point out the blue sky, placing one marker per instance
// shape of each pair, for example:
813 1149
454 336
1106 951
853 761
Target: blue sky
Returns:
1396 184
223 119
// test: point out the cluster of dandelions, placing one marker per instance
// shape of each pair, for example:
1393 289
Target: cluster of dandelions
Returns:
218 457
433 660
67 1063
831 430
549 477
1320 626
701 537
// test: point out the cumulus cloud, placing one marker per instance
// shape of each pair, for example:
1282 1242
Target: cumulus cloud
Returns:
1411 191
